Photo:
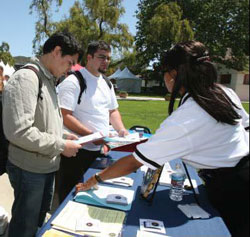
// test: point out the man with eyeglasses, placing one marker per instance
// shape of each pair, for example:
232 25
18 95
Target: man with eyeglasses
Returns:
97 109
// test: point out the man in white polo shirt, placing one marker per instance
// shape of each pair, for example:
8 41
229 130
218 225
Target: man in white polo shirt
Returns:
97 108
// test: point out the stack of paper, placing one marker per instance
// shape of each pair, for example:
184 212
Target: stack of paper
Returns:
122 181
132 137
98 197
56 233
194 211
165 178
89 138
110 221
116 141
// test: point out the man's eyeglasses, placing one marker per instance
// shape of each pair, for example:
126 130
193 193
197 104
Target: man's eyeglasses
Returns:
104 58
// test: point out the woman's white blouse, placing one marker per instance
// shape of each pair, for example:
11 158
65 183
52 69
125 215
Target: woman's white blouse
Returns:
192 134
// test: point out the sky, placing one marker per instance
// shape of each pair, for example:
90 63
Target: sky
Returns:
17 26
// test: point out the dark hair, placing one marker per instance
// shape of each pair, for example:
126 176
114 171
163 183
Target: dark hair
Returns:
94 46
66 41
198 76
1 68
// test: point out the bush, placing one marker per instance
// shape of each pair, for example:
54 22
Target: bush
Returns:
123 94
167 97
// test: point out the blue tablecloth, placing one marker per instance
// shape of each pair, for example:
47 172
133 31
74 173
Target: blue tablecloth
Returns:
162 208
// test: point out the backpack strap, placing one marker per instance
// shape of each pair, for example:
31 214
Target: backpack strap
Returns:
40 82
82 83
107 81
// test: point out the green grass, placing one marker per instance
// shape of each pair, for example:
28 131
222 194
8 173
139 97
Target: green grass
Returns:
246 106
147 113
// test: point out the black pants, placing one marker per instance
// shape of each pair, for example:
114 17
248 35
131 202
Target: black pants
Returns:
71 171
228 192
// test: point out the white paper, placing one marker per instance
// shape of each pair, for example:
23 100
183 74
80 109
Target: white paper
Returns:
89 138
102 192
165 178
88 224
194 211
111 221
122 181
152 226
132 137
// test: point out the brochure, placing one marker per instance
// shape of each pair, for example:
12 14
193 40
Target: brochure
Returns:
127 143
149 183
89 138
165 179
76 217
101 197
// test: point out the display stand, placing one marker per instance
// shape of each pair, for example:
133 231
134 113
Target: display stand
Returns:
150 183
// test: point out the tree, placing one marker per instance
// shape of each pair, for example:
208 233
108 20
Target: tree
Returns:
223 26
160 26
128 59
44 26
5 55
89 20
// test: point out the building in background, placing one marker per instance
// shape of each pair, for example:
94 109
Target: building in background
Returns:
237 80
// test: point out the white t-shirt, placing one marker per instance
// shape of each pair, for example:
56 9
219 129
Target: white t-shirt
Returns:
192 134
96 102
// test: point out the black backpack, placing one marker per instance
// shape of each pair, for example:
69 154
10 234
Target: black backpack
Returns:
3 145
3 141
82 83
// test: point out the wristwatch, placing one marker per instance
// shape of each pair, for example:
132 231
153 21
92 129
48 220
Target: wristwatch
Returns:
98 178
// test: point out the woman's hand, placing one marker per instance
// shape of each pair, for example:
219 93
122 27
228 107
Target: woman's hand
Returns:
87 185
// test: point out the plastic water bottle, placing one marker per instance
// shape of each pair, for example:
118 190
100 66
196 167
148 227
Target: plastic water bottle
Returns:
177 182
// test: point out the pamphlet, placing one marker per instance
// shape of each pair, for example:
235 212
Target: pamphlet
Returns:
165 179
108 221
193 211
152 226
99 197
55 233
122 181
89 138
150 182
114 141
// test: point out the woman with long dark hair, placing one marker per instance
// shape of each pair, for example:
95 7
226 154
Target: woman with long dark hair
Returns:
208 131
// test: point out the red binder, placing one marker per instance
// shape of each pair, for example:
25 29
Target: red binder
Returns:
128 147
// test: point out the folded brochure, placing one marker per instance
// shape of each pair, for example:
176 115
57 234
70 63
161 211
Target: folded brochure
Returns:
106 222
89 138
100 196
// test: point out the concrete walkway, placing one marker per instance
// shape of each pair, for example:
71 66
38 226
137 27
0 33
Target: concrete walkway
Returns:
6 196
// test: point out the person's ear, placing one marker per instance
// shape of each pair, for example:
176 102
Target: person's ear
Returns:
89 57
174 73
57 51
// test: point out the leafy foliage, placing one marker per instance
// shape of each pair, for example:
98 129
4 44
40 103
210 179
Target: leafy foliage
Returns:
160 25
222 25
5 55
44 25
89 20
